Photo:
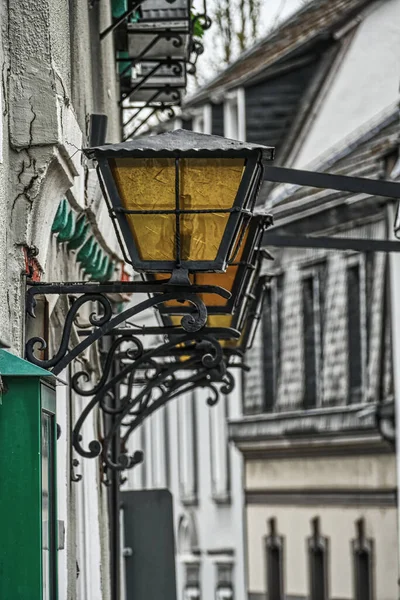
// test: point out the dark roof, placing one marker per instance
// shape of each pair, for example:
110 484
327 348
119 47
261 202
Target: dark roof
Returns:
182 141
319 19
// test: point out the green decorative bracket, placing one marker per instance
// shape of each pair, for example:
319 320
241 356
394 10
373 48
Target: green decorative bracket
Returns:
86 253
95 264
80 234
68 231
60 220
101 272
76 231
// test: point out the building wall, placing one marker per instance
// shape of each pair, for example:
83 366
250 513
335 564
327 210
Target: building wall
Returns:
52 79
349 99
338 525
204 473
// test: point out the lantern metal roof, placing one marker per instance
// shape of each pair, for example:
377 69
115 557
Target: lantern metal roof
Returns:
186 143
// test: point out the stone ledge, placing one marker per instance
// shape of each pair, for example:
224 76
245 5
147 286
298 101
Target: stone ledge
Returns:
330 431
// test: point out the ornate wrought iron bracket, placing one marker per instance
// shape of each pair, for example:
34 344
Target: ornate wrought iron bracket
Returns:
104 321
144 382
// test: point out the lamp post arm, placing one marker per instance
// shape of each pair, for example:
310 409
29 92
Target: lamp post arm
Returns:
106 322
329 181
211 358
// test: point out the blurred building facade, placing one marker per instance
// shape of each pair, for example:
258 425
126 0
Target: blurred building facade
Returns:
319 460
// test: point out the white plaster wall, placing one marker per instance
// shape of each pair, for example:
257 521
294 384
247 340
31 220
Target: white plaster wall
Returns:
218 526
363 471
337 523
366 82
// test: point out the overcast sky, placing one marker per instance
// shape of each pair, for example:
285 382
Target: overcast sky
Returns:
273 12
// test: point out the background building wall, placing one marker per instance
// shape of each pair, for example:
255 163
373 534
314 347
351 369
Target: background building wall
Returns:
205 479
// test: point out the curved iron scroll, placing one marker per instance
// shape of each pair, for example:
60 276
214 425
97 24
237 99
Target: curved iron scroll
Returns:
103 320
145 383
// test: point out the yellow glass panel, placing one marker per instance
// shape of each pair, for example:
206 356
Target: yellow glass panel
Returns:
149 185
213 321
224 280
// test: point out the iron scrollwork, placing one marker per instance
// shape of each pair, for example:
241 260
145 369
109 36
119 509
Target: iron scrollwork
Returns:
104 321
135 381
145 382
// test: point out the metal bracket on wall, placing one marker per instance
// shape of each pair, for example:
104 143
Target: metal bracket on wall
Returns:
342 183
105 320
136 382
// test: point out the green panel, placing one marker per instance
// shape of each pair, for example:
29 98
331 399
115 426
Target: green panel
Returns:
60 220
126 64
14 365
80 234
119 7
20 490
68 231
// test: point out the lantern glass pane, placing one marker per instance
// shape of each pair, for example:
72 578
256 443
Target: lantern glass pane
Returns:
212 321
224 280
204 184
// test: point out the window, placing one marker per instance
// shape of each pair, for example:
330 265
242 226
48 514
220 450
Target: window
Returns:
217 123
235 115
219 451
271 329
313 283
274 562
224 589
356 328
202 119
317 547
192 582
187 449
309 341
362 549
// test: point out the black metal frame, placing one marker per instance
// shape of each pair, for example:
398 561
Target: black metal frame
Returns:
158 381
242 207
160 372
184 63
248 263
342 183
239 337
178 71
107 321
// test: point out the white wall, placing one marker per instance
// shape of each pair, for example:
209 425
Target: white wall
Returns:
215 524
337 523
366 82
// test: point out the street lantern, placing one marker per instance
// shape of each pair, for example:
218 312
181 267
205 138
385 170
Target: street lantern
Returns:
179 200
244 322
241 266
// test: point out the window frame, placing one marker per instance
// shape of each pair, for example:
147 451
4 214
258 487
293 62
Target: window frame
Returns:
235 125
360 260
316 541
202 119
274 542
314 271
